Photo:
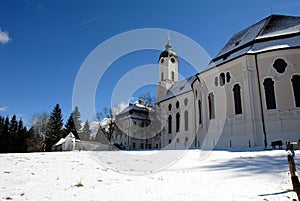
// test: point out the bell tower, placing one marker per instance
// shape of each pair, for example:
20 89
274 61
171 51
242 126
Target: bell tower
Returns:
168 71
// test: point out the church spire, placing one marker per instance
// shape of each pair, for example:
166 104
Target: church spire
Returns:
168 45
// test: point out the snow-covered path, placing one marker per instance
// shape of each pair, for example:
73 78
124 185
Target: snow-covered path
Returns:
224 175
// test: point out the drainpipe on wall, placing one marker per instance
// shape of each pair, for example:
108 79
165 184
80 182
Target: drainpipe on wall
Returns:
261 102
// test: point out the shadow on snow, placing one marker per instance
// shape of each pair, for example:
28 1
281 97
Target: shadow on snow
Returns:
260 164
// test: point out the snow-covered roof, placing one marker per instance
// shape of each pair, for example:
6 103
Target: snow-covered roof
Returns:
60 142
179 88
70 135
276 44
136 107
266 34
134 111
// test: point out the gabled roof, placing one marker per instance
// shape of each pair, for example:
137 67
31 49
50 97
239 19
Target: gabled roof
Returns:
63 140
70 135
60 142
273 28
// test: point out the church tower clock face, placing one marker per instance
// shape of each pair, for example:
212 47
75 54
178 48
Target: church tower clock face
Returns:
172 60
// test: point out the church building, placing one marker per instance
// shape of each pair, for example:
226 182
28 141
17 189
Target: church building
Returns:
249 95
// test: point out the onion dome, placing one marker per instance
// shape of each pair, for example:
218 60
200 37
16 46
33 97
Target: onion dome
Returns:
168 52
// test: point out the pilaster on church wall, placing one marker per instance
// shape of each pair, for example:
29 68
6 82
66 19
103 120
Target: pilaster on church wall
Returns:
206 87
198 127
253 100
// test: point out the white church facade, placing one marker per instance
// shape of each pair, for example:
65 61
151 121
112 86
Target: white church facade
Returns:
249 95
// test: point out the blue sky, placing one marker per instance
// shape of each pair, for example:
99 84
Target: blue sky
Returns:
44 43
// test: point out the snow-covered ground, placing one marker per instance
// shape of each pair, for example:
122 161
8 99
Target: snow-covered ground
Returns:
223 175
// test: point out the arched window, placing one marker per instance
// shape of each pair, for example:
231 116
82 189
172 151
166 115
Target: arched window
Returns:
211 105
170 107
177 122
162 76
170 124
177 104
199 111
237 99
270 93
228 77
186 120
185 102
222 79
216 81
173 75
296 89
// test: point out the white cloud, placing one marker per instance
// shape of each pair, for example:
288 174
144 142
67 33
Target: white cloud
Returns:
4 37
4 108
118 108
89 20
134 99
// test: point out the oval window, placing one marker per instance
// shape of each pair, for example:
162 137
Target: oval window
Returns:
280 65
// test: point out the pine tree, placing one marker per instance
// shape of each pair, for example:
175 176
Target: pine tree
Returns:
13 126
6 136
21 140
70 127
2 119
2 136
13 135
76 118
85 135
54 128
